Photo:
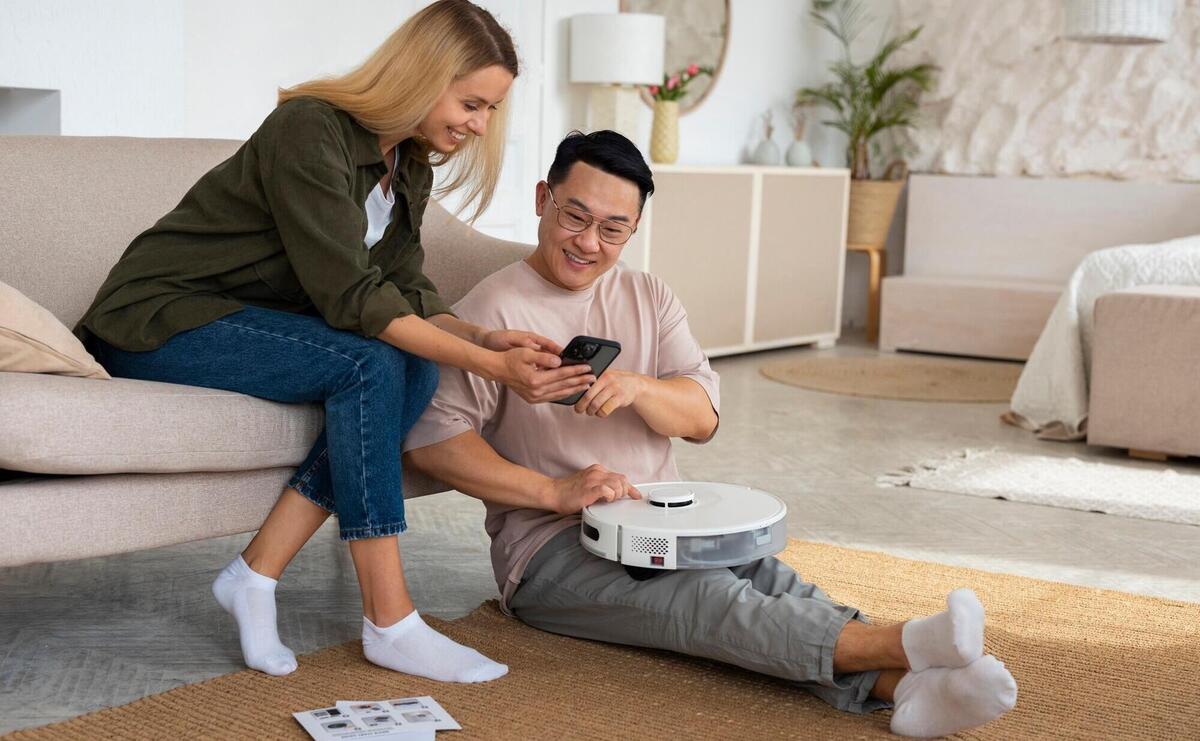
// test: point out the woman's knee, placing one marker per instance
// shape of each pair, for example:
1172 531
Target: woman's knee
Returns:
379 362
423 378
411 377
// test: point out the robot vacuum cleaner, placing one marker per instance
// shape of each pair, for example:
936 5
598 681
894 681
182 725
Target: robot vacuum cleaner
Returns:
686 525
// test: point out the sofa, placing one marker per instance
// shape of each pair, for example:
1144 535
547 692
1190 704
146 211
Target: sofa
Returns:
92 467
986 258
1143 393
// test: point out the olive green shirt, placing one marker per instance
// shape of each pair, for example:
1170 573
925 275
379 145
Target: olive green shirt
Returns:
280 225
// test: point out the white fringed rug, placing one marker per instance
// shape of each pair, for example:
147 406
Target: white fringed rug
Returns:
1147 491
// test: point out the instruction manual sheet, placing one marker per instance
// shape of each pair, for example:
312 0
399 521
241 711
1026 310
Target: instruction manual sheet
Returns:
408 718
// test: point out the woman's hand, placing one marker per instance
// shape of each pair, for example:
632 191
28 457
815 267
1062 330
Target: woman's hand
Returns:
538 376
613 390
506 339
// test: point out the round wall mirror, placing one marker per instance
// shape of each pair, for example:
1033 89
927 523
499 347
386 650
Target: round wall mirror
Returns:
697 33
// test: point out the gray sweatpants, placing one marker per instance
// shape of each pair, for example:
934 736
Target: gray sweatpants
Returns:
760 616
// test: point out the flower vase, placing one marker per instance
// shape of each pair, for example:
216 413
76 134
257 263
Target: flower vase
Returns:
799 154
664 134
766 153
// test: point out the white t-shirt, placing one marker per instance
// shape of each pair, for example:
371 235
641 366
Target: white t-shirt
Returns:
634 308
379 210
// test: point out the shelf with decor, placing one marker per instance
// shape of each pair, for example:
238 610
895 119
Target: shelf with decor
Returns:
755 254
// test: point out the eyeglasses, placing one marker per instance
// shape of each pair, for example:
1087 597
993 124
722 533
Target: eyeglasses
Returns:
577 220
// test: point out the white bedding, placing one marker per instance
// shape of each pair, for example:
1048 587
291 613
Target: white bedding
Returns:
1052 395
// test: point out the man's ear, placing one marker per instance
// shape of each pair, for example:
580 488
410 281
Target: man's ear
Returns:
541 197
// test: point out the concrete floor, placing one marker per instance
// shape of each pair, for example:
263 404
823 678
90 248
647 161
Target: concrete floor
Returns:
80 636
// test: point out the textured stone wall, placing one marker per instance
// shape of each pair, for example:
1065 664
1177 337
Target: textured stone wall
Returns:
1014 98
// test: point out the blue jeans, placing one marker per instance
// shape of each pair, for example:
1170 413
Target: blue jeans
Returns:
373 394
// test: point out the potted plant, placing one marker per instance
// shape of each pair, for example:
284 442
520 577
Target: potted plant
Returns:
664 133
867 99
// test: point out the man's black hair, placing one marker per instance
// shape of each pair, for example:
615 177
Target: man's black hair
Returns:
607 151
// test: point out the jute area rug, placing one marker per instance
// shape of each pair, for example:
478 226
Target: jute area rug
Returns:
1089 664
904 377
1150 491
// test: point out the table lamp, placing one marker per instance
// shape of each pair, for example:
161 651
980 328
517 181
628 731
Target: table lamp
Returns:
613 52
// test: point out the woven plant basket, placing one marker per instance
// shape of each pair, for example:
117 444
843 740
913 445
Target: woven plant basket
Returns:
873 204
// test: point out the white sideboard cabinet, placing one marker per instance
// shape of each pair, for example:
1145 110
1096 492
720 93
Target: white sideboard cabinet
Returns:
755 254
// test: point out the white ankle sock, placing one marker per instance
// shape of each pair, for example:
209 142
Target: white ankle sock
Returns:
938 702
250 598
412 647
951 638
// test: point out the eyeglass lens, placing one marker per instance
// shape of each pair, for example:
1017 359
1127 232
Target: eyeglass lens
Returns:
575 220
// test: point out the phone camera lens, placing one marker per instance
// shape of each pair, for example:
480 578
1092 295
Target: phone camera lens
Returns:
590 349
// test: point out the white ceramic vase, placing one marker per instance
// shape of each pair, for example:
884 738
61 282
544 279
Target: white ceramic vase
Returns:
766 153
799 154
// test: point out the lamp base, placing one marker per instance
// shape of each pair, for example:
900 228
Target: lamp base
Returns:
615 107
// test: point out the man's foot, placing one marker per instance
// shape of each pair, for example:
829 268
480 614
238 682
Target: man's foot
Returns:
250 598
412 647
938 702
951 638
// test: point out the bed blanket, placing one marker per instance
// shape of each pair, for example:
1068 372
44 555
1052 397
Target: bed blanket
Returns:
1051 398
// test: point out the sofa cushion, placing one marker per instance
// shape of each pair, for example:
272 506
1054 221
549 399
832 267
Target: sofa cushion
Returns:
56 424
119 186
943 314
32 340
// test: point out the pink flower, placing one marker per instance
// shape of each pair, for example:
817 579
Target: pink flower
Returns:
673 82
653 89
693 69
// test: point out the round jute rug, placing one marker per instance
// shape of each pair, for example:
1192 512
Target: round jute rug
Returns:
901 377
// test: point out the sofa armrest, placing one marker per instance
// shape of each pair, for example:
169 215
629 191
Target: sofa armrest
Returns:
1145 351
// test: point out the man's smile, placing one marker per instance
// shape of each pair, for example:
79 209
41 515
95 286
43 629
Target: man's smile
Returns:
574 260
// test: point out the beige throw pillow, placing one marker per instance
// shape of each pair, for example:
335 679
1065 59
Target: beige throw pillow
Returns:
32 340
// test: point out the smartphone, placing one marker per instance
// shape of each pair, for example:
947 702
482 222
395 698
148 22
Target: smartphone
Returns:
597 353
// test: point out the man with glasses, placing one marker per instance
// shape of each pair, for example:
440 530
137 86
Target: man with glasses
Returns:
537 465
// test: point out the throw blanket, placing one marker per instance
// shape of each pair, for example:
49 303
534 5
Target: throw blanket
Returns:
1051 399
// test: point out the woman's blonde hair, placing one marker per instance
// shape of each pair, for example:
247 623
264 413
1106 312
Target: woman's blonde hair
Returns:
393 91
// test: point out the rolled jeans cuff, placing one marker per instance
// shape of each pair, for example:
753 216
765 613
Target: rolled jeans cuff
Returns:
302 482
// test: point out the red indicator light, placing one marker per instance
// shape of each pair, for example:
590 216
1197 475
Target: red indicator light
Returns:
657 561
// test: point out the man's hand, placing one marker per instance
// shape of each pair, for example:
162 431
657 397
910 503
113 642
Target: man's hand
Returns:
593 484
611 391
506 339
538 376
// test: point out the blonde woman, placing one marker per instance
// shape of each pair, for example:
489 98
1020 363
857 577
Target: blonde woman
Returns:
293 271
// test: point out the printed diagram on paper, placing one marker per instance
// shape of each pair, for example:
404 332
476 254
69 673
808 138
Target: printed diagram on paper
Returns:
408 718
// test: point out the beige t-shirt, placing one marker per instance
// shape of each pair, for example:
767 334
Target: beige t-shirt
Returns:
633 308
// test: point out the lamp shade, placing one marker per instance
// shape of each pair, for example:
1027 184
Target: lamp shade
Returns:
1118 21
617 48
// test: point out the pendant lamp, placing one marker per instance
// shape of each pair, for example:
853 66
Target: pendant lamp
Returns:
1118 21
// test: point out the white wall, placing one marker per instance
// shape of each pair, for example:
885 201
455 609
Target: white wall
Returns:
237 54
210 68
1014 98
768 57
116 63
